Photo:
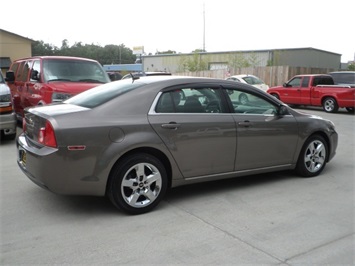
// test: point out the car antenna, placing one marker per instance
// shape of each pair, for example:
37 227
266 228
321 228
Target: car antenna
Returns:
133 77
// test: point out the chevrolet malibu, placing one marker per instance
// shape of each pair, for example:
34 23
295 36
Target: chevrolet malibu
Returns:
133 139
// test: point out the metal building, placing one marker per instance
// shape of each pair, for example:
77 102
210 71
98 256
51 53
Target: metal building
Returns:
297 57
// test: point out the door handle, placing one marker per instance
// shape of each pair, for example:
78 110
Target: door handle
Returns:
245 124
171 125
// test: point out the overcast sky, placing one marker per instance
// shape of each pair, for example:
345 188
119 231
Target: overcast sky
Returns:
160 25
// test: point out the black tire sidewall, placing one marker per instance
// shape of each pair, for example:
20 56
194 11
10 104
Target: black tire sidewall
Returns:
300 167
116 178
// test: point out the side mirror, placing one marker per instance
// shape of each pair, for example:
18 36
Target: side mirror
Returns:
285 85
34 75
283 110
10 76
111 76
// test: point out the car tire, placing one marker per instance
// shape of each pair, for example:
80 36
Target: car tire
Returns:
243 99
137 183
350 109
313 157
330 105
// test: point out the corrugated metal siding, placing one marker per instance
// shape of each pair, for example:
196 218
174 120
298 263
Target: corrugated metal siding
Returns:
303 57
306 58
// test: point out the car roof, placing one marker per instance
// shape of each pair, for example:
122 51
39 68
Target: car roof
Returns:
242 76
156 78
341 72
313 75
149 73
56 57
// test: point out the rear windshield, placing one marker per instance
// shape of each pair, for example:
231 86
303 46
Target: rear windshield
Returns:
103 93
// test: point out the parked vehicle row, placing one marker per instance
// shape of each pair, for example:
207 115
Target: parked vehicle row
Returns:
133 139
46 79
316 90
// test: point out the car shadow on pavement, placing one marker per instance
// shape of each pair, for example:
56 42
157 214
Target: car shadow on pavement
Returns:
226 185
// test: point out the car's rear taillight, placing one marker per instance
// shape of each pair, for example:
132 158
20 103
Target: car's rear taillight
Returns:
46 135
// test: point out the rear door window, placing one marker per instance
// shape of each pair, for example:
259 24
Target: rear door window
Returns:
25 71
192 99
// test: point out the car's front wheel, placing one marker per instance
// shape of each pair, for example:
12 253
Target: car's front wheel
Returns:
313 157
137 183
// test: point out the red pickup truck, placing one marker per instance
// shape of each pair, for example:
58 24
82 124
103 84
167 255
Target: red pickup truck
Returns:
47 79
316 90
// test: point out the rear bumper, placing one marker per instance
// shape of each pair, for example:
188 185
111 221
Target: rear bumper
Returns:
54 170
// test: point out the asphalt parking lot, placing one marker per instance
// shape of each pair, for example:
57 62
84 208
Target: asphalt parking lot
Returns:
273 219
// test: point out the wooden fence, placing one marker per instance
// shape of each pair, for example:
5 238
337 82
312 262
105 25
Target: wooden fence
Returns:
272 75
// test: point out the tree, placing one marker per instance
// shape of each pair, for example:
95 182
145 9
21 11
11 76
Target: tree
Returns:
110 54
238 60
192 63
253 60
351 66
198 51
166 52
41 48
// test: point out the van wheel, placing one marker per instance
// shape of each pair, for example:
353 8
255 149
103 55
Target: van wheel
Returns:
313 157
330 105
137 183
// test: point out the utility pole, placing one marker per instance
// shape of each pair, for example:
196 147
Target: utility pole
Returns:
204 28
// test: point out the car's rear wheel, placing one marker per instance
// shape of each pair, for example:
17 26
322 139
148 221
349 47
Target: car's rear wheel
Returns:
275 95
330 105
137 183
313 157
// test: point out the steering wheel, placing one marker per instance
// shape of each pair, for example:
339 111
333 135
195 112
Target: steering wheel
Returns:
213 107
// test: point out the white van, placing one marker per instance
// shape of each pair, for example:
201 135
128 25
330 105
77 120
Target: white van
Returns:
7 115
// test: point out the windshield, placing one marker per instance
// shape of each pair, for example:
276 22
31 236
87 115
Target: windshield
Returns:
74 70
103 93
253 80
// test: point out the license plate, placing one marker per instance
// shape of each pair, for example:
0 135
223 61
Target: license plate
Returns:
23 157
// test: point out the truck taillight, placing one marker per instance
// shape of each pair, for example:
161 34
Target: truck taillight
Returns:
46 135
